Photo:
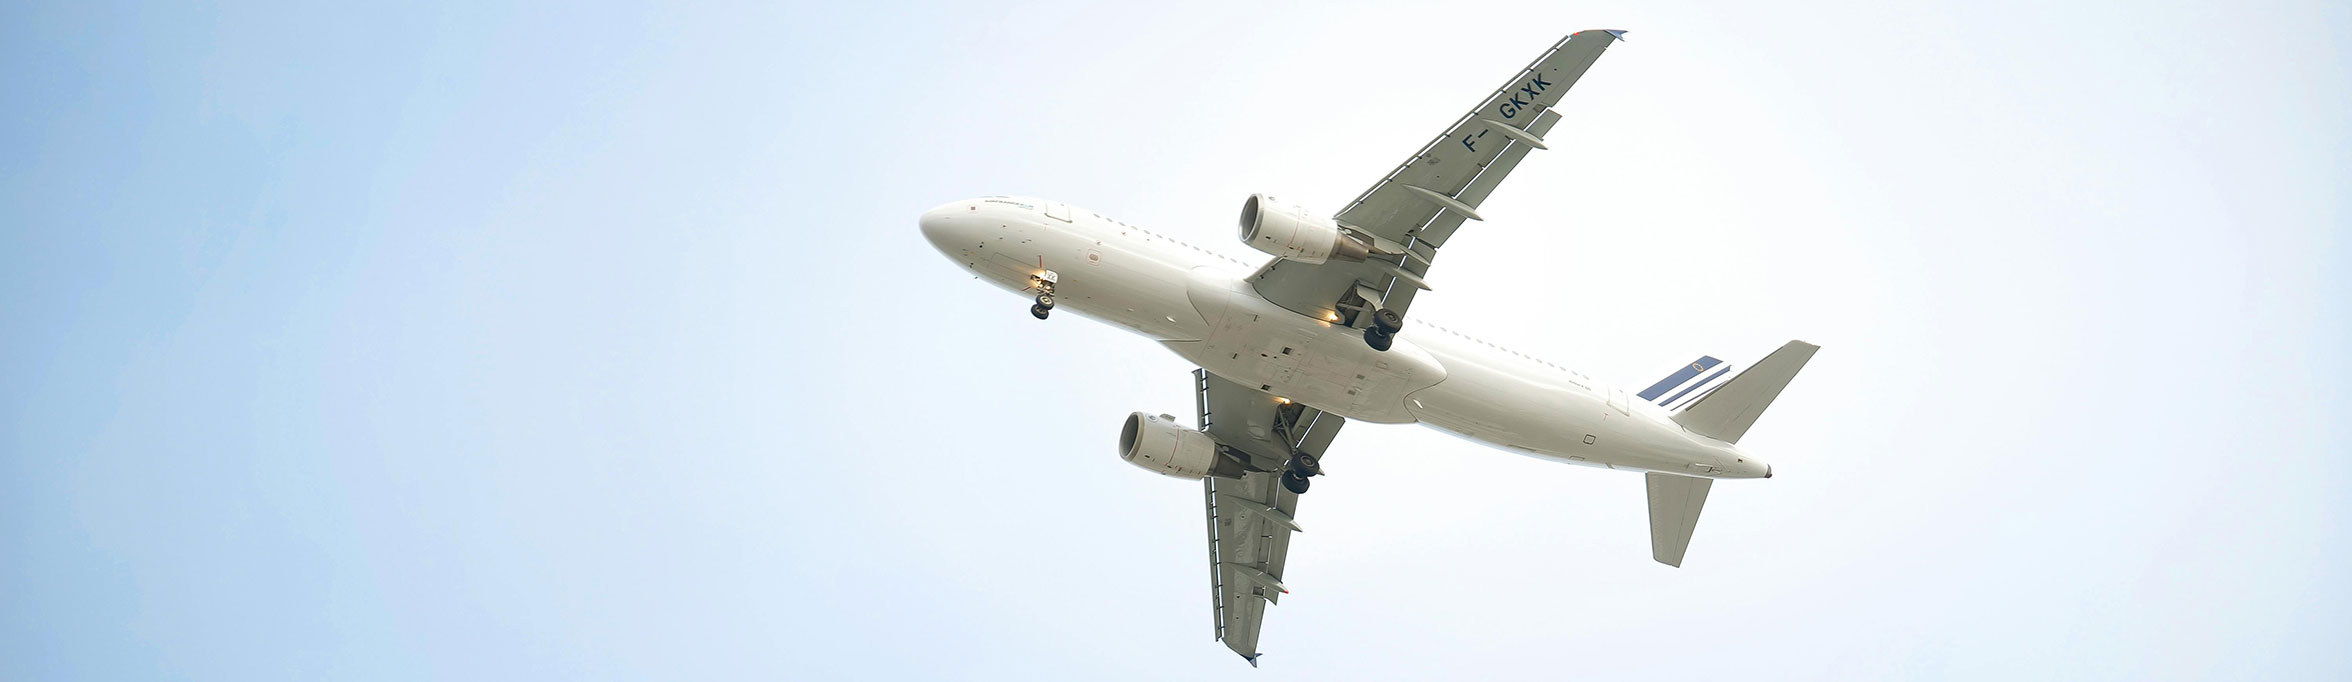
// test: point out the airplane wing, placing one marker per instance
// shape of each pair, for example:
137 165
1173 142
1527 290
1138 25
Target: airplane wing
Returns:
1422 202
1251 518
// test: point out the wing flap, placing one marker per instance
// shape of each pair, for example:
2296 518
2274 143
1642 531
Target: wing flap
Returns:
1442 227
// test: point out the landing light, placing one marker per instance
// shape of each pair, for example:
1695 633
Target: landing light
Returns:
1282 400
1332 316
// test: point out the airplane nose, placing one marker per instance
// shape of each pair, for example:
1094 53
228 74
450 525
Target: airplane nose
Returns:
939 224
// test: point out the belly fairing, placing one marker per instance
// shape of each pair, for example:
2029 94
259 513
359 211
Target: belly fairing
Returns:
1322 365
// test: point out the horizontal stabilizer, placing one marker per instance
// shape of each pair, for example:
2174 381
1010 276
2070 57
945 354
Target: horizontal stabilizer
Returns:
1674 513
1726 413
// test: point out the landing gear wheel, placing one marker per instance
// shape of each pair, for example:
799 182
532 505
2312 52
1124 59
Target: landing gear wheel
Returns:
1294 483
1040 311
1388 321
1303 465
1377 339
1045 301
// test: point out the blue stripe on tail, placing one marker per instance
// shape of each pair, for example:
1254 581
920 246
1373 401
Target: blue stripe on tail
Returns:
1693 387
1704 363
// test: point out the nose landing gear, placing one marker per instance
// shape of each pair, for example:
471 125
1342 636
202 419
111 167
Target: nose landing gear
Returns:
1044 283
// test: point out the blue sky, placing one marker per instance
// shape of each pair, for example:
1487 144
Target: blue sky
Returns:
495 341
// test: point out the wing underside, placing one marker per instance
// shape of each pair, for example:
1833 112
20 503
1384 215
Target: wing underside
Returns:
1421 203
1251 519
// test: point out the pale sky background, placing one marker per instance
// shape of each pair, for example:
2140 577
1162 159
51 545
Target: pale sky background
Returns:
556 341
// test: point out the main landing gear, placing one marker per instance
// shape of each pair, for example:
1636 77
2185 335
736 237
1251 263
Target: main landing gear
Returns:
1044 283
1385 325
1302 464
1294 475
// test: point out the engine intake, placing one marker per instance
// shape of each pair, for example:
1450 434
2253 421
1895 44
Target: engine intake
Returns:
1291 233
1156 443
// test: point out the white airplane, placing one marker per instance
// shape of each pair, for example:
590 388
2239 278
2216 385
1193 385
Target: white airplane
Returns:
1317 336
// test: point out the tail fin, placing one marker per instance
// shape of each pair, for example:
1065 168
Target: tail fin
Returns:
1680 376
1726 413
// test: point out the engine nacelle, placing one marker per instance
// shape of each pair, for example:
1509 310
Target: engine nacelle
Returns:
1291 233
1155 442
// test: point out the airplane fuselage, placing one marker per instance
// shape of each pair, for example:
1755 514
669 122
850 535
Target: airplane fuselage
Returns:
1201 306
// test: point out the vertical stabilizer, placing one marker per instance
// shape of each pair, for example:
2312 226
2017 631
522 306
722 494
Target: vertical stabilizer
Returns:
1681 379
1726 413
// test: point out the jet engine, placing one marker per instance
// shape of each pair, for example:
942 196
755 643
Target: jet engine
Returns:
1156 443
1291 233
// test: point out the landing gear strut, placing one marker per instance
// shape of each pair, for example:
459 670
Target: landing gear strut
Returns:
1044 283
1302 464
1385 325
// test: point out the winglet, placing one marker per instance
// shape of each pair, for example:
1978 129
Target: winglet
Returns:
1253 659
1613 33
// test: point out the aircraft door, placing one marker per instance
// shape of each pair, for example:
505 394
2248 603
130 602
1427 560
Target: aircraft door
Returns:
1057 211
